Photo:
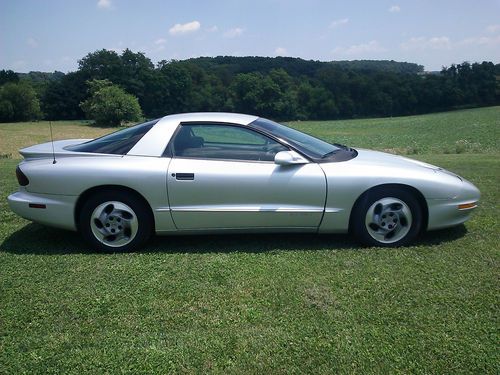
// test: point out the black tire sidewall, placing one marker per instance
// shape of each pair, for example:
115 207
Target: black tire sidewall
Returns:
141 212
361 207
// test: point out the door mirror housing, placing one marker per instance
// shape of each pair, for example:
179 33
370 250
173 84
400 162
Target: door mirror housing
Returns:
289 158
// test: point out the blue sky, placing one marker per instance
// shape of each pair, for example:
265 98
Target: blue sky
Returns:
48 35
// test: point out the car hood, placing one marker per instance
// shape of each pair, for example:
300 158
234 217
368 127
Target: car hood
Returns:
371 168
377 158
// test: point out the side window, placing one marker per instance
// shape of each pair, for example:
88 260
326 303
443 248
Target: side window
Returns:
223 142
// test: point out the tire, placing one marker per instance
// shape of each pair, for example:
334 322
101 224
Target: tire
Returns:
115 221
388 217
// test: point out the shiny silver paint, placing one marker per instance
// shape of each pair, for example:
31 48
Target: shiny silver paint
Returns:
291 194
239 194
443 191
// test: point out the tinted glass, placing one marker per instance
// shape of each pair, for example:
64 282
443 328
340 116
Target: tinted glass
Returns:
224 142
309 145
119 142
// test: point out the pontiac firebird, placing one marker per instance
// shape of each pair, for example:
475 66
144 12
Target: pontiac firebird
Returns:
223 172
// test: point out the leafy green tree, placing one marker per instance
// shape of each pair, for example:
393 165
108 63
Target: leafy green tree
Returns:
171 91
316 103
61 100
40 80
102 64
18 102
8 76
280 88
136 76
263 94
207 90
109 104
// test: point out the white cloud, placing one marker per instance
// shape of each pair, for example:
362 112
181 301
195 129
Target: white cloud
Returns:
359 49
160 41
493 28
422 43
32 42
104 4
159 44
338 23
185 28
394 9
481 41
280 51
213 29
233 33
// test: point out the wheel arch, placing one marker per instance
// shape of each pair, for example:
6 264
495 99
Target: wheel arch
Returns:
107 188
412 190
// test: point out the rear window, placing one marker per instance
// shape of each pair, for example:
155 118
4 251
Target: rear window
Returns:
118 143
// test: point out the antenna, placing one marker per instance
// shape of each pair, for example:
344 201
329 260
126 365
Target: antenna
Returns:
52 140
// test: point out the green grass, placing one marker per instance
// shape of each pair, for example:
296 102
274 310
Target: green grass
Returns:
14 136
476 130
266 303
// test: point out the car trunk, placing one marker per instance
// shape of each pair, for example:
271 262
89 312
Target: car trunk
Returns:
49 149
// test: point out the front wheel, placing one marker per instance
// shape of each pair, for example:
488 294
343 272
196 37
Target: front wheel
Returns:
387 217
115 222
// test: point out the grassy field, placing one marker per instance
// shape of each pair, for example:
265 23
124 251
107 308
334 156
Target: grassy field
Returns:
263 303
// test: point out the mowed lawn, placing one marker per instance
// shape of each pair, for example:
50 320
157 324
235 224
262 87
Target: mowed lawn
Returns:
263 303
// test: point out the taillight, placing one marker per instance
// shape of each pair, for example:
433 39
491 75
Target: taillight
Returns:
21 177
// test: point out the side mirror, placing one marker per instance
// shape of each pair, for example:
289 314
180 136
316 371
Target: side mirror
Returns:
289 158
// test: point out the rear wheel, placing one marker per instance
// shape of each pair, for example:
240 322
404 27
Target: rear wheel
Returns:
388 217
115 222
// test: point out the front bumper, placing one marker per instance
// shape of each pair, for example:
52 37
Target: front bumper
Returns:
444 213
57 211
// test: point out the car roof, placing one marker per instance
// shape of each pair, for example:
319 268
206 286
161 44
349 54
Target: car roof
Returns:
234 118
153 143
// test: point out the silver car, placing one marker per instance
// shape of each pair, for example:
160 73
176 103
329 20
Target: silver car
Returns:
223 173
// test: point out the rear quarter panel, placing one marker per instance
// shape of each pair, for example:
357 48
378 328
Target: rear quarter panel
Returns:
73 176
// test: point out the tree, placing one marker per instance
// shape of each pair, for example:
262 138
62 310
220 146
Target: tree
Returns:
282 88
8 76
316 103
61 100
171 90
208 92
18 102
264 94
136 74
109 104
102 64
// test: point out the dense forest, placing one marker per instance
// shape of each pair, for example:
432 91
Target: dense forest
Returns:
281 88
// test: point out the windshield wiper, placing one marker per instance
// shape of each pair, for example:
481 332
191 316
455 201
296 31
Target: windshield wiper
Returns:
344 147
339 145
329 154
340 148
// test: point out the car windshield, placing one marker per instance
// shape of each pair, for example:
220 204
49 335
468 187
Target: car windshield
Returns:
309 145
119 142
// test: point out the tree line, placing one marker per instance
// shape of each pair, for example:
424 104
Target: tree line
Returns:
281 88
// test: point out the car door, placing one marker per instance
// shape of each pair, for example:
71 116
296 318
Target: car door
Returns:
224 177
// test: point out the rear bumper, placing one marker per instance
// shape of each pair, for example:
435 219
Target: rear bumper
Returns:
58 210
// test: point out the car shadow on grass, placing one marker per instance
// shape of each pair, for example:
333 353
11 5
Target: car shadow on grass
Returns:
440 236
41 240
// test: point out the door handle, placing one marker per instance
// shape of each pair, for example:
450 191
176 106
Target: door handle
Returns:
184 176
